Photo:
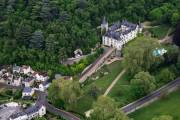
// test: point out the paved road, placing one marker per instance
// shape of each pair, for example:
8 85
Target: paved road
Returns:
95 65
156 94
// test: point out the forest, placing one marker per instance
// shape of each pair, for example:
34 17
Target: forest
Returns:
41 33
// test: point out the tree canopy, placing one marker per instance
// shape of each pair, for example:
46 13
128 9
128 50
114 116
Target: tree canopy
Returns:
65 91
138 55
38 32
106 109
142 84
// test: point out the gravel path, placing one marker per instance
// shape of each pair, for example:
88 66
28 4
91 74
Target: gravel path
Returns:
114 82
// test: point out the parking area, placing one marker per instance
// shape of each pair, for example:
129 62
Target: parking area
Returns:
6 111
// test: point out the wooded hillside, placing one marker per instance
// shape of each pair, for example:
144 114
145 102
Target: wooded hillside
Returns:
40 32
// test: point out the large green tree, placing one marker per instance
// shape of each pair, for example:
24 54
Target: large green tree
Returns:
165 76
138 55
67 91
107 109
142 84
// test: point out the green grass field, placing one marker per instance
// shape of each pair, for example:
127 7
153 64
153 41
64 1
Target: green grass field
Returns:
166 106
159 31
121 92
86 101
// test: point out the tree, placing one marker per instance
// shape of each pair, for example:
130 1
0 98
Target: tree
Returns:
69 92
176 38
45 11
175 18
172 54
37 40
23 34
62 55
178 63
165 76
138 55
142 84
156 14
106 109
52 93
163 117
51 43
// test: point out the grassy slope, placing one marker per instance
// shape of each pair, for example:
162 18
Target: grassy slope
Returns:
160 31
167 106
85 103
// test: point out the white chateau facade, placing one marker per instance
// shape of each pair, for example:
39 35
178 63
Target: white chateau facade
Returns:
119 33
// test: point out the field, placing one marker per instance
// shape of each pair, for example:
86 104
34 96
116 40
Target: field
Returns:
102 83
166 106
159 31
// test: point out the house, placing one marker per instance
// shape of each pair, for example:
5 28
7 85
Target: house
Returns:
38 110
16 69
119 33
27 93
40 76
19 116
44 85
29 81
78 53
7 78
8 109
26 69
16 80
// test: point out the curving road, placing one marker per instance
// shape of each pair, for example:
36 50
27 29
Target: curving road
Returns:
151 97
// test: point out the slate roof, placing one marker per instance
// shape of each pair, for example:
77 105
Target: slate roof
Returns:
29 79
116 34
27 89
17 115
33 109
46 83
28 111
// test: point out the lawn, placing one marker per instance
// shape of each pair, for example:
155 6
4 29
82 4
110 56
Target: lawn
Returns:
121 91
159 31
166 106
102 83
105 80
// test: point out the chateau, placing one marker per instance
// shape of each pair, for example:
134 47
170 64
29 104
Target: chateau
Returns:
119 33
